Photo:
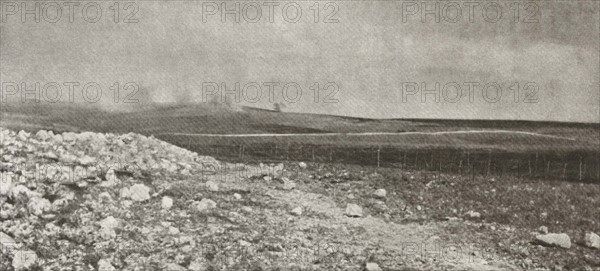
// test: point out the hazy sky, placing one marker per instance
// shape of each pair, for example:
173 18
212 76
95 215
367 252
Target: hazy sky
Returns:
373 56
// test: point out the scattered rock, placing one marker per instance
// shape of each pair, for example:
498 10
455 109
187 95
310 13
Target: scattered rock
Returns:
591 240
105 265
302 165
110 179
212 186
38 206
237 196
166 203
69 136
353 210
86 160
6 242
24 259
107 227
43 135
23 136
554 239
297 211
543 229
473 214
5 184
204 204
126 203
139 192
380 193
244 243
246 209
199 264
373 267
124 193
105 197
174 267
20 189
173 230
288 185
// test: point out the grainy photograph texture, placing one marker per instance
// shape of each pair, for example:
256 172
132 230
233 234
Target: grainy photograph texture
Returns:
299 135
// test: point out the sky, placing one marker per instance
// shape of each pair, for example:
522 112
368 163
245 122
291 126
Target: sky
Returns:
373 59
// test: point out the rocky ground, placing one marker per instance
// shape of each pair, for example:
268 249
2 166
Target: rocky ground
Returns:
92 201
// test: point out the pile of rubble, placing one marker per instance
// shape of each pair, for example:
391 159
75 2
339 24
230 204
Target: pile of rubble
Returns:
90 201
65 198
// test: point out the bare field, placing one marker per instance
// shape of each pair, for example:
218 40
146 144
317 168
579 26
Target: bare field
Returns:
521 149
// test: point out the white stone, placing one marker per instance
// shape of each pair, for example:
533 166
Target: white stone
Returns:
23 136
69 136
126 203
43 135
7 211
174 267
5 183
353 210
20 189
205 204
87 160
302 165
212 186
173 230
107 227
237 196
6 243
592 240
167 203
543 229
109 223
554 239
380 193
139 192
278 170
296 211
246 209
198 264
24 259
38 206
124 192
373 267
288 185
105 265
473 214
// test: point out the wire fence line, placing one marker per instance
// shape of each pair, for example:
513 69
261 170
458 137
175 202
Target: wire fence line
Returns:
551 165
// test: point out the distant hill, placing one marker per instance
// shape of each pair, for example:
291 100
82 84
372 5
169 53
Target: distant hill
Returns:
161 119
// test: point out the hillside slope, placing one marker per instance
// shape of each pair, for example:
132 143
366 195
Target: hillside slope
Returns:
165 120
